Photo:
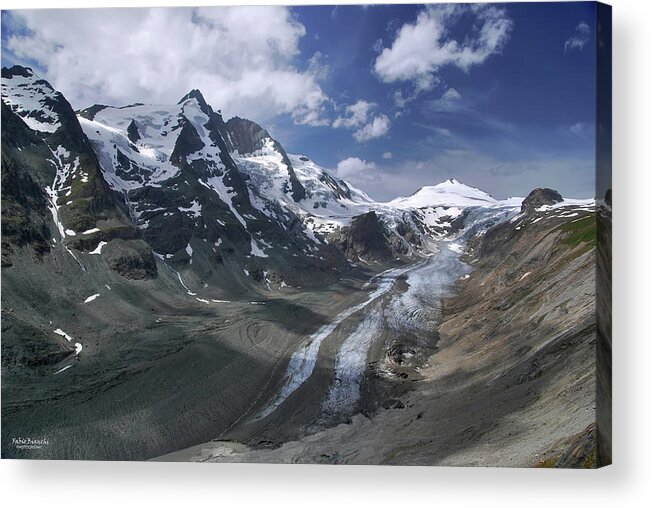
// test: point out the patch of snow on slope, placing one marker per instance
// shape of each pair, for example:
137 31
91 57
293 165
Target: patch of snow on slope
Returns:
192 111
54 207
579 203
64 169
216 183
98 249
178 275
194 209
256 250
455 247
61 370
59 331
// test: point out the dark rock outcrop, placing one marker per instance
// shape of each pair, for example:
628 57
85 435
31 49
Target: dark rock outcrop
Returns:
90 112
340 188
539 197
132 132
25 213
365 239
26 345
17 70
187 143
131 259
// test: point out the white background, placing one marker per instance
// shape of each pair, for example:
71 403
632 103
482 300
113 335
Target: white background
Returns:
627 483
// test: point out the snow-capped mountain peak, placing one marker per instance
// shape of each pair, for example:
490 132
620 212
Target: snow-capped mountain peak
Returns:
31 98
198 97
198 188
451 192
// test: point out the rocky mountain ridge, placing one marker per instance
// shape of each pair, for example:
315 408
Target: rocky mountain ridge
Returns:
214 201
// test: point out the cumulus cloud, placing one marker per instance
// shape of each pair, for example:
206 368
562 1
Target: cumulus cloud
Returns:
243 59
354 167
376 128
355 115
579 38
387 155
358 116
421 48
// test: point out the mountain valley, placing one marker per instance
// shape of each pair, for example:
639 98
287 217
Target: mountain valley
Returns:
178 287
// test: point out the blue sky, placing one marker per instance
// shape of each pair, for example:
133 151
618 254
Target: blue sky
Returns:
390 97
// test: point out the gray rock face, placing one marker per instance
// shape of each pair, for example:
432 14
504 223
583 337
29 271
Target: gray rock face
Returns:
132 259
132 132
247 137
539 197
187 143
17 70
365 239
90 112
24 203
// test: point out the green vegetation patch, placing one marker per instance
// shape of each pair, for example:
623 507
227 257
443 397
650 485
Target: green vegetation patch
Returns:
580 231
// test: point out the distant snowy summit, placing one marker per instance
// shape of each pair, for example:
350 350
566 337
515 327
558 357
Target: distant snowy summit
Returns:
451 192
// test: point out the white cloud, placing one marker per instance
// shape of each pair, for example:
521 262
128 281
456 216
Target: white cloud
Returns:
376 128
378 45
358 116
451 95
241 58
318 67
402 98
387 155
422 48
355 115
353 167
449 102
579 38
583 129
